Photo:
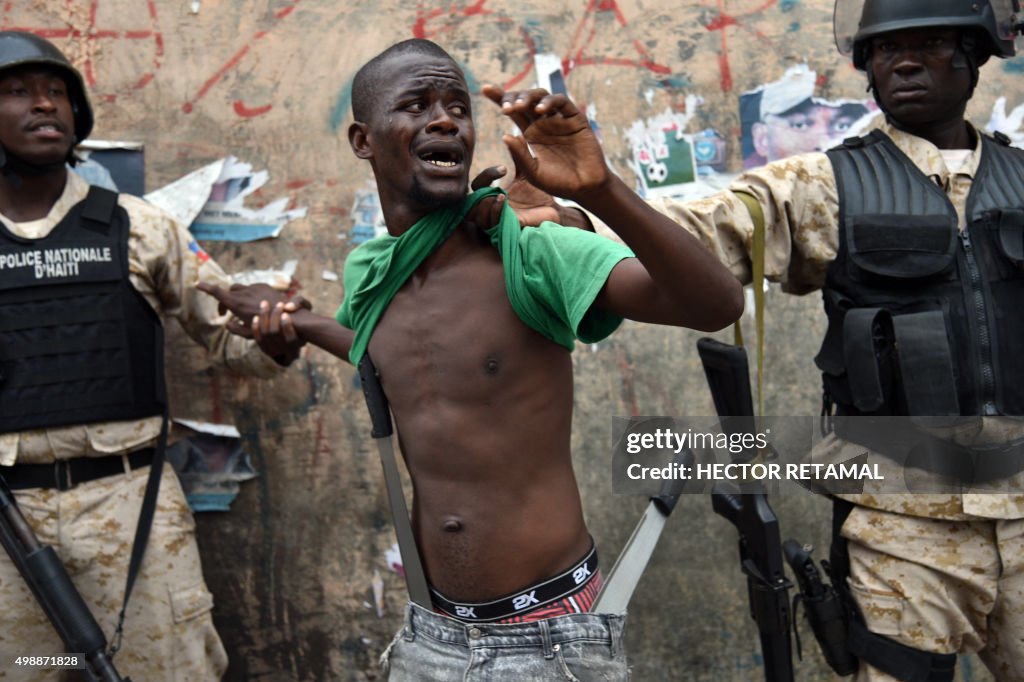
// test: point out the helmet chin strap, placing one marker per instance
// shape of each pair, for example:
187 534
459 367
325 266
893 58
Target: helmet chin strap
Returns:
16 169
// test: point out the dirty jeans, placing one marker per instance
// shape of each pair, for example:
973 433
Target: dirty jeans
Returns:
578 646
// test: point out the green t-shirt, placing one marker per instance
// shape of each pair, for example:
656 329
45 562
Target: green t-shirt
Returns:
552 274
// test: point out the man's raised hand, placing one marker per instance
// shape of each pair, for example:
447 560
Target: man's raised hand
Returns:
566 158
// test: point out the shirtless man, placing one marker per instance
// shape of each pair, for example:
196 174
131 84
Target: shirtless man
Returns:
482 401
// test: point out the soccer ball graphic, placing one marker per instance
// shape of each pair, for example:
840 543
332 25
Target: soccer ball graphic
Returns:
657 172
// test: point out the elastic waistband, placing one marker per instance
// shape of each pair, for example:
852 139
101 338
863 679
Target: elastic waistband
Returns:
65 474
535 596
597 628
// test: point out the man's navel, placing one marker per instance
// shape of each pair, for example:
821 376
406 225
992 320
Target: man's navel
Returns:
452 525
491 365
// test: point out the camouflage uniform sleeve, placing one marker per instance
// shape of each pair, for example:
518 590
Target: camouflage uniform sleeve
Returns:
166 263
799 200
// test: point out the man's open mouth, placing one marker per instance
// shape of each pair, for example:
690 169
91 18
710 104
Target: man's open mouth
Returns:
444 155
440 159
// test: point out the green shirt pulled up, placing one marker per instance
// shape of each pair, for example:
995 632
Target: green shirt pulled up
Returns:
552 274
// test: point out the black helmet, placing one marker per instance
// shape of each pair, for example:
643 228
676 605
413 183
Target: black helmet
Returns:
856 22
18 48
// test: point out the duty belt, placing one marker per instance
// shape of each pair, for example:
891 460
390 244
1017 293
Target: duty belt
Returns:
65 474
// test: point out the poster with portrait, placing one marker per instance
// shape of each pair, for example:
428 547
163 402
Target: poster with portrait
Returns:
784 118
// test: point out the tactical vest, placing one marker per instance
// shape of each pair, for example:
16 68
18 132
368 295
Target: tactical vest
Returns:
78 343
925 320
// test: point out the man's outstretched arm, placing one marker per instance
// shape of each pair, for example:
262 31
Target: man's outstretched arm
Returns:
674 279
283 325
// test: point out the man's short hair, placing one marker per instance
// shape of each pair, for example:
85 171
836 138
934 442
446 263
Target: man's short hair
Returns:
368 79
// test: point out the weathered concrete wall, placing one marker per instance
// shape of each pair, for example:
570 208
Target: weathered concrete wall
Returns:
267 80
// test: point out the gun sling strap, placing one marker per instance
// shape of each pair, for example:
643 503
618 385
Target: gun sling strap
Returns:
757 284
142 529
380 417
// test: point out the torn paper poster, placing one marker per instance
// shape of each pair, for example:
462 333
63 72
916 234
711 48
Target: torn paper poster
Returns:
224 430
185 197
280 280
210 463
393 558
663 154
549 72
225 218
1011 125
367 217
784 118
710 152
377 585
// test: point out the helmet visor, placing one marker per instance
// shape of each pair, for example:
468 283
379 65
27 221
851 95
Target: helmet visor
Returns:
846 22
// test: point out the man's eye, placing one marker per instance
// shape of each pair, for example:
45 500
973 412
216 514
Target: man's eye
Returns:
460 110
414 107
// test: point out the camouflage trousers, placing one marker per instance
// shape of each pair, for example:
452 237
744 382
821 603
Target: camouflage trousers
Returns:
941 586
168 632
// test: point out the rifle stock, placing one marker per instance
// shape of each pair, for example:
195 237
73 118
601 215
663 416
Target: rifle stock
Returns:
747 508
53 589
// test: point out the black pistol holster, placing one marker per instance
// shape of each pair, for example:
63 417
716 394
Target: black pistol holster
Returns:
889 656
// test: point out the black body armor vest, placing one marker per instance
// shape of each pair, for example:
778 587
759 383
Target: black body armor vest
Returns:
924 320
78 343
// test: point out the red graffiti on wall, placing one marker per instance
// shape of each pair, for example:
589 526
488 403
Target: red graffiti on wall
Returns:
582 52
585 49
240 107
586 32
90 35
84 35
722 21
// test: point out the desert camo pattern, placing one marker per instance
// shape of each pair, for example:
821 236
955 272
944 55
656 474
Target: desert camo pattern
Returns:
169 633
940 586
938 571
800 202
165 264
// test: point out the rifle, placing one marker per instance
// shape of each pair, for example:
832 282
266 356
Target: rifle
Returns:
747 508
53 589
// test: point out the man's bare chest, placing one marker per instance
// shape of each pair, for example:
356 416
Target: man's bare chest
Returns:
454 332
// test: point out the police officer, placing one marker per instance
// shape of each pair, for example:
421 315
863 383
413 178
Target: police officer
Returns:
85 275
915 234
